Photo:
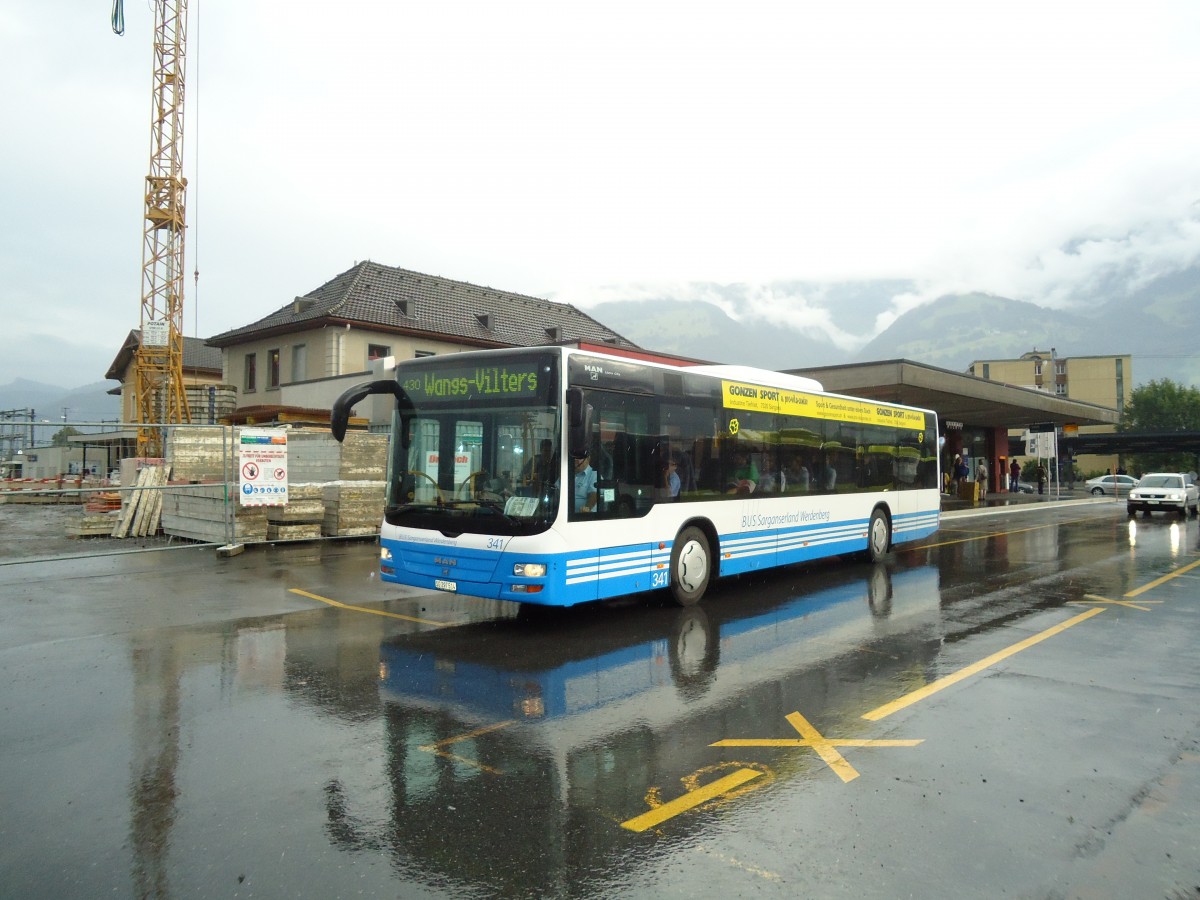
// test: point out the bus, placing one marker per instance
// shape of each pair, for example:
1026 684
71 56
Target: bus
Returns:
487 448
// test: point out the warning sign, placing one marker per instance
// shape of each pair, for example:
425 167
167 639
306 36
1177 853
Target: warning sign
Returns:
262 461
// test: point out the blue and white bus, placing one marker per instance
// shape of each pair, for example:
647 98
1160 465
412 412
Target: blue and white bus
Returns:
690 472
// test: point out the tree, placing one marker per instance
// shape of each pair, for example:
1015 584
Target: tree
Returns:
61 436
1162 406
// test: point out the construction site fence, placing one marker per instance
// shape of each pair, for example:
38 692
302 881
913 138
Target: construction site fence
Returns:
193 494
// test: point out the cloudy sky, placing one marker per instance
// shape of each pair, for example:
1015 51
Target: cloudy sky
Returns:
586 153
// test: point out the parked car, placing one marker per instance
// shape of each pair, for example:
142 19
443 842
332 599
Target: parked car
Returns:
1163 490
1024 487
1110 484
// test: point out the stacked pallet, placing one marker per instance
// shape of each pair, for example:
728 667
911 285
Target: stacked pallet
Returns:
198 513
93 525
203 454
354 502
363 457
353 508
301 518
333 489
103 501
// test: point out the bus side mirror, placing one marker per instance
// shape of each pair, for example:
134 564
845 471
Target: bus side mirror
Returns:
339 416
579 421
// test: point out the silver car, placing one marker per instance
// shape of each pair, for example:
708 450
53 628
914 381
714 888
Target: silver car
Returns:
1110 484
1163 490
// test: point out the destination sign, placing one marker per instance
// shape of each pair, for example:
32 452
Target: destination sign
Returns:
510 381
757 398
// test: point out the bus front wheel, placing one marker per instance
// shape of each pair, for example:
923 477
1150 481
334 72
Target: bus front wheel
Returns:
690 568
879 536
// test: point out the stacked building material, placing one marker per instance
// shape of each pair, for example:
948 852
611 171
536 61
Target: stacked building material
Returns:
353 508
354 503
198 513
301 518
141 512
203 454
333 489
363 457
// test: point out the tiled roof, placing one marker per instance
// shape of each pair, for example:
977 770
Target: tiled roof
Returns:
399 301
197 356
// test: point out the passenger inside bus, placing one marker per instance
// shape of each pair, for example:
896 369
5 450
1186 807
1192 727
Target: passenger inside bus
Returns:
796 474
541 469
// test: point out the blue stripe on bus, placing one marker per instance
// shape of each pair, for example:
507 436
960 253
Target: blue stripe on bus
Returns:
613 571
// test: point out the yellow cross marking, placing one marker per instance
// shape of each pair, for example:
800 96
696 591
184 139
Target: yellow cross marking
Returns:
436 748
826 748
1093 598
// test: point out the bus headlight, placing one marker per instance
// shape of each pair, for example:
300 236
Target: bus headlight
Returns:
529 570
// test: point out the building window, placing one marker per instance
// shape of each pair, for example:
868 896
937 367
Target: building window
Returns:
272 369
987 371
1060 389
1037 369
251 372
417 354
377 351
299 362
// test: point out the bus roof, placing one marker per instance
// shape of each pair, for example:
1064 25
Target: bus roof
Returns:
760 376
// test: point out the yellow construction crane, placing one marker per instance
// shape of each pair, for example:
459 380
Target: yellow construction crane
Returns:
158 364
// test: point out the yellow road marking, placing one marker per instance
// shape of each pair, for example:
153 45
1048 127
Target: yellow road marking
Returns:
363 609
1093 598
793 742
486 729
436 747
1145 587
982 536
933 687
738 864
690 800
811 737
474 764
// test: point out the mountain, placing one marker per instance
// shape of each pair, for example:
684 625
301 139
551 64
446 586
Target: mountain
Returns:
50 403
794 325
699 330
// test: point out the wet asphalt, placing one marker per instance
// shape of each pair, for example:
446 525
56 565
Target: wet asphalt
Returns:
1008 709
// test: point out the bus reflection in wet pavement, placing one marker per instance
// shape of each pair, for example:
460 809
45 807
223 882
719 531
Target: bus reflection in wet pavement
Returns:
516 748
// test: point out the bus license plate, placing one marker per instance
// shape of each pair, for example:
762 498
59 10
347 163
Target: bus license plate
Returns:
445 585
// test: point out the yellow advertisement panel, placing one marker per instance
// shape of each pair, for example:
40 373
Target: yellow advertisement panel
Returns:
756 398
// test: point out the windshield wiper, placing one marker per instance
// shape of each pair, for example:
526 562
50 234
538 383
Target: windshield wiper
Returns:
491 506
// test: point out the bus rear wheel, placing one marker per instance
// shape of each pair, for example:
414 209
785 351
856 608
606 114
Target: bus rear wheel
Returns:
690 566
879 535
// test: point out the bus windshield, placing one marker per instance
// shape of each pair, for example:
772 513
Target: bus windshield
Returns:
477 446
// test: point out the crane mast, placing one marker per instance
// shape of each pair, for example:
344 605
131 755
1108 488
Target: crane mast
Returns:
158 364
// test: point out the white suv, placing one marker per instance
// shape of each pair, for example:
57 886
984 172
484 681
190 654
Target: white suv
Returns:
1163 490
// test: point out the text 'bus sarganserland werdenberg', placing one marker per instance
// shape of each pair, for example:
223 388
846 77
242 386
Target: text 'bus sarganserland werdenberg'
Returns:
563 475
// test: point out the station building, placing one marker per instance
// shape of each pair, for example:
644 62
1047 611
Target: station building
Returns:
975 415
